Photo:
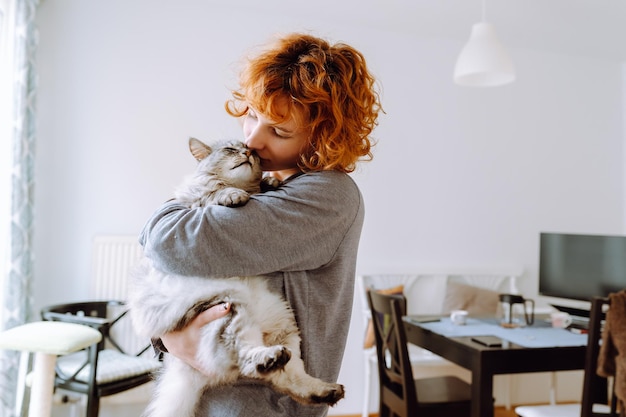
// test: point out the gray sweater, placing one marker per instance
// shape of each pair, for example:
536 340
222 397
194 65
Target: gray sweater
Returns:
304 238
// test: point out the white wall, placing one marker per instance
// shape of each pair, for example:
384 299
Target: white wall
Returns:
461 177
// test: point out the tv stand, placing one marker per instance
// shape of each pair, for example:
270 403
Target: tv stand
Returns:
578 314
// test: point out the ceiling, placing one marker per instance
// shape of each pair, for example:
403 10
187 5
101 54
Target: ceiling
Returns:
575 27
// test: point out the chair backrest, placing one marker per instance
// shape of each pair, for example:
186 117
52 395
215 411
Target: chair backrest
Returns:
101 315
595 387
397 388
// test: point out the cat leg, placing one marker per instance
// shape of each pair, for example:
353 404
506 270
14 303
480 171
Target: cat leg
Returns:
256 359
260 360
302 387
178 390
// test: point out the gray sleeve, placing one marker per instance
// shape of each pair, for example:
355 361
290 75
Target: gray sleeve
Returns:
297 227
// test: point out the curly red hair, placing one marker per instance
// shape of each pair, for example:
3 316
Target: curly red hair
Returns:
328 86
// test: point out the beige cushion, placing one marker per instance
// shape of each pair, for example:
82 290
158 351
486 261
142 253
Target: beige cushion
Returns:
477 301
112 366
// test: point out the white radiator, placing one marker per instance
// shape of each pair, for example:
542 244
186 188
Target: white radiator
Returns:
113 258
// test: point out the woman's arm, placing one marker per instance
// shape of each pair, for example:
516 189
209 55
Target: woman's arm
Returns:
297 227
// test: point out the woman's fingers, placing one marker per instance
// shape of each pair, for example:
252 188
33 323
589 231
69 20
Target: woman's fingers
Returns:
184 343
210 314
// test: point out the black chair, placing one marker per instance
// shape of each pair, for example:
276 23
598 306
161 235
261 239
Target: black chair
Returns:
595 387
105 368
595 397
400 394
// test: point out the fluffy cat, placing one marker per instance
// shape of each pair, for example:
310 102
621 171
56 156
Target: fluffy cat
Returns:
258 339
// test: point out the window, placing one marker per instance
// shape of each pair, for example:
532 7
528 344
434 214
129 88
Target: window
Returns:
6 129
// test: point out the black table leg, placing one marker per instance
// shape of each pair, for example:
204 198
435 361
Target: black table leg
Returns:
482 392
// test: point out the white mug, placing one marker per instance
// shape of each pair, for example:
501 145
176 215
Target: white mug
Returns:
560 319
458 317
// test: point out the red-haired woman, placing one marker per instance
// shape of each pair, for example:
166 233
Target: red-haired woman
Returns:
308 109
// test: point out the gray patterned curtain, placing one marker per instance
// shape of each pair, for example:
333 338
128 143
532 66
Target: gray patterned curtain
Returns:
17 303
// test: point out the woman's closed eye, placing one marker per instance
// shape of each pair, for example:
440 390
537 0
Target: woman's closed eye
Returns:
281 133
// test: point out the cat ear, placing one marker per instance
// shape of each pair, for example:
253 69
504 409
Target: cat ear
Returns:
198 149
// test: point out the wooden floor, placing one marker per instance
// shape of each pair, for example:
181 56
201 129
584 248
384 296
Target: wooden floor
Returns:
502 412
499 412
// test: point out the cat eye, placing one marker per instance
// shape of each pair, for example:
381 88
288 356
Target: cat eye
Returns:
229 149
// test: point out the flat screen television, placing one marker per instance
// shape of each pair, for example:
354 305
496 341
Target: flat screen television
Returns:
573 268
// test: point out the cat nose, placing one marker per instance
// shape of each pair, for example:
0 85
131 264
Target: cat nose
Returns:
249 155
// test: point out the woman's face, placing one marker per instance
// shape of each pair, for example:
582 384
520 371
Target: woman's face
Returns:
279 145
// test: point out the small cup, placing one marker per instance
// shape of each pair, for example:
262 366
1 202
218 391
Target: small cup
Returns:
458 317
560 319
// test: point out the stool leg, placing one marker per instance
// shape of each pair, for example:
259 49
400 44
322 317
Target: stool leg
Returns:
366 393
21 382
43 385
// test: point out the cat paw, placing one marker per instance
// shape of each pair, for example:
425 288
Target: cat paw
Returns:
269 183
275 359
234 198
330 396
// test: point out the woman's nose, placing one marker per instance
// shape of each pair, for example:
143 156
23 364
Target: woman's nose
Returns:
254 140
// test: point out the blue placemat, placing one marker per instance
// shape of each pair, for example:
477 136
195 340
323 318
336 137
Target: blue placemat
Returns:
538 335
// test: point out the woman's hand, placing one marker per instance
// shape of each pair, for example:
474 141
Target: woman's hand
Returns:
184 343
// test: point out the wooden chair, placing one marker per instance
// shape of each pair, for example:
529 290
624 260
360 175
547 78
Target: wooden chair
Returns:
595 396
108 369
400 394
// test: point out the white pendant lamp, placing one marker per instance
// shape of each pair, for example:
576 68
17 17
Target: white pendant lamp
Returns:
484 62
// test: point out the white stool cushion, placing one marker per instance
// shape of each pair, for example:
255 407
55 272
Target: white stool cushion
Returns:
112 366
50 337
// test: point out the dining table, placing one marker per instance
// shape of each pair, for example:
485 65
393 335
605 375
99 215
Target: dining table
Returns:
529 348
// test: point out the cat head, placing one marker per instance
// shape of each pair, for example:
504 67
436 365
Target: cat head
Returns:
230 161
